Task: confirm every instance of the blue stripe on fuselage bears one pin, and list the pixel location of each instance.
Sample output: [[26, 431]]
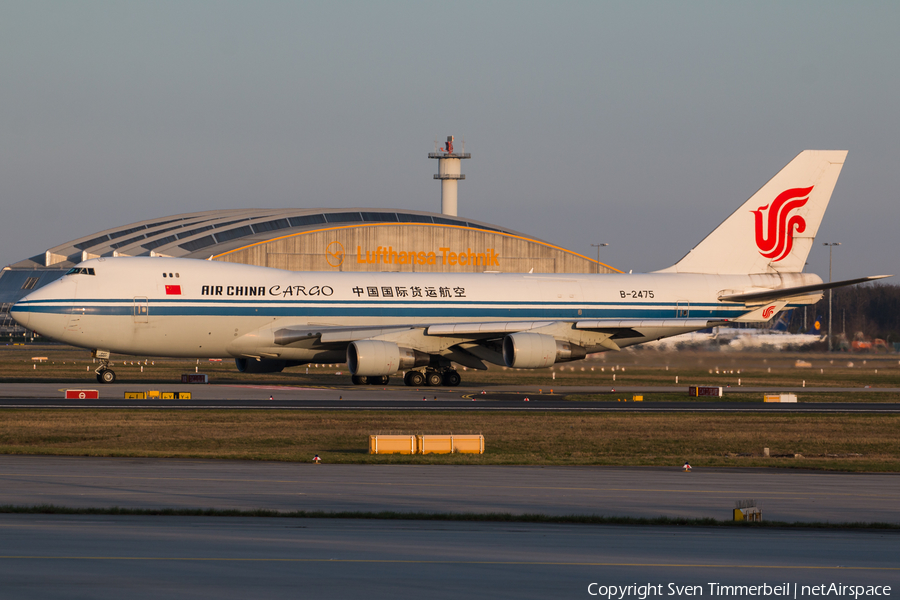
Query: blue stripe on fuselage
[[363, 308]]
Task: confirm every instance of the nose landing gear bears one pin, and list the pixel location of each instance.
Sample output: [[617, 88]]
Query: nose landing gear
[[104, 373]]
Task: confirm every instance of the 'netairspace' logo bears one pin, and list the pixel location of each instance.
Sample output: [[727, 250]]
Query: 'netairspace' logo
[[777, 240]]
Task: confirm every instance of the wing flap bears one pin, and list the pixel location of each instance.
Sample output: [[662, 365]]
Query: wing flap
[[469, 329], [606, 324]]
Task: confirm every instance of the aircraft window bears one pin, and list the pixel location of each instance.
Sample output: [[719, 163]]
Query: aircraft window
[[177, 275], [170, 274], [164, 275], [80, 271]]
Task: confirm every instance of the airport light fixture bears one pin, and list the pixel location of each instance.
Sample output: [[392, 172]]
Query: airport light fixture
[[831, 246], [598, 246]]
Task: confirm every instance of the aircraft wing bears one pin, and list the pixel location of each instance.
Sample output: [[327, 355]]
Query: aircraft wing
[[803, 290], [461, 342]]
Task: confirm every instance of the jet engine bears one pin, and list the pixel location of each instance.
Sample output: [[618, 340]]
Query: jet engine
[[525, 350], [251, 365], [376, 357]]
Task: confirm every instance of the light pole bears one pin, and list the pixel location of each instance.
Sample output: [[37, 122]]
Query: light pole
[[598, 246], [831, 246]]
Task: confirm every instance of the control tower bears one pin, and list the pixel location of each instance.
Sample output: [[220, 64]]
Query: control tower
[[449, 173]]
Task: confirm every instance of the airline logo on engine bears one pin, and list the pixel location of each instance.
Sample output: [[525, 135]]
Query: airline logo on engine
[[775, 228]]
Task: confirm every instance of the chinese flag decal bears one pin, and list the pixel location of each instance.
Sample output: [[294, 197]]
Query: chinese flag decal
[[173, 290]]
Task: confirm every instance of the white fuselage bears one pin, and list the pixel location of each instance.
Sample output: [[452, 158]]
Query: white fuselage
[[193, 308]]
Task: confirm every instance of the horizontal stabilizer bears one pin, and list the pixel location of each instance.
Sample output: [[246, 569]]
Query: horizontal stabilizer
[[802, 290]]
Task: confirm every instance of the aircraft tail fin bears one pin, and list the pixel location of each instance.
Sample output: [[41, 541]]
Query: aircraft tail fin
[[774, 230]]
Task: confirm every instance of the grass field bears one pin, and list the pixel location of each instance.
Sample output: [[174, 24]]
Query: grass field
[[850, 442], [839, 442]]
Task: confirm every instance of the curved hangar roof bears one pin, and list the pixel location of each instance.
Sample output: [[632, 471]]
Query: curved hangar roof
[[352, 239]]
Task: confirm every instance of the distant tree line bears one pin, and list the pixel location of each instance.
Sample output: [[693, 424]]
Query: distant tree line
[[872, 310]]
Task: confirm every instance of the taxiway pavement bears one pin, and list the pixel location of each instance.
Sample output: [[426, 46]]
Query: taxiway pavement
[[56, 556], [50, 395], [783, 495]]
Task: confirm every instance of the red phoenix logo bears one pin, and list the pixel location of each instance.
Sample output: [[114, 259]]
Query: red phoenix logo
[[768, 312], [775, 231]]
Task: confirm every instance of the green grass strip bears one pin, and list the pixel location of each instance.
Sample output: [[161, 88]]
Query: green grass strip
[[52, 509]]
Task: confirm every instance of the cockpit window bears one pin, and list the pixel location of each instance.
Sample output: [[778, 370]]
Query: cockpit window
[[80, 271]]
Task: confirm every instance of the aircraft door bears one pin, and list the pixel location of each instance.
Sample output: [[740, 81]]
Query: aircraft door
[[682, 309], [141, 309]]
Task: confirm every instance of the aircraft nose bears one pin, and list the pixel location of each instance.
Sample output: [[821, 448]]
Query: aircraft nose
[[21, 316]]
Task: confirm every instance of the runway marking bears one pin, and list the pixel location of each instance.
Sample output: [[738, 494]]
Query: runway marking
[[446, 562], [463, 408], [307, 483], [275, 387]]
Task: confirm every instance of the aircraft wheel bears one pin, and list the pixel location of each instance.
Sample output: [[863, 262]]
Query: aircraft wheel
[[433, 378], [451, 378], [378, 380], [357, 380], [106, 376], [414, 379]]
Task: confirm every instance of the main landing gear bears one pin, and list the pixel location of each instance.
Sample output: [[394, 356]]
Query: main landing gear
[[429, 377], [104, 373], [448, 377]]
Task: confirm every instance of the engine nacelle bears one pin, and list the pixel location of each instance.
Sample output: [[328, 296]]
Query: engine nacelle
[[525, 350], [376, 357], [251, 365]]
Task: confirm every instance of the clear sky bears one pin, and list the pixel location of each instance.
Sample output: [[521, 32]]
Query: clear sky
[[638, 124]]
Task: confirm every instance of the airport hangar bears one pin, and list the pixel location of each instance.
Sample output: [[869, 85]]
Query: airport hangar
[[349, 239]]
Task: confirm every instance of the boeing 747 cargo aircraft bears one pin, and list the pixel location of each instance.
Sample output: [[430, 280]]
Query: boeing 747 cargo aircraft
[[746, 270]]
